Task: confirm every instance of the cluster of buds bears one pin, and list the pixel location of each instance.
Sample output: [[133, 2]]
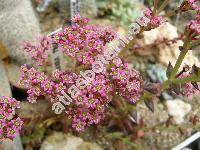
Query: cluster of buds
[[10, 123], [127, 82], [83, 42], [39, 51], [193, 28], [188, 89], [155, 21]]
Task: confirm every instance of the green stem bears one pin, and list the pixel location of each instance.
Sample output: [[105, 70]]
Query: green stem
[[166, 84], [155, 7], [178, 63], [180, 57]]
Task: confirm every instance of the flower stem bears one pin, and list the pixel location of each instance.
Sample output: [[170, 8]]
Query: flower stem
[[178, 63], [181, 57], [155, 7]]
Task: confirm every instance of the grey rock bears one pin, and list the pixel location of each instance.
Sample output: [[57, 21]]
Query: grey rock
[[13, 73], [18, 23], [6, 144], [43, 6], [157, 73], [5, 89], [158, 117], [178, 109], [11, 145], [89, 146], [17, 144], [37, 110]]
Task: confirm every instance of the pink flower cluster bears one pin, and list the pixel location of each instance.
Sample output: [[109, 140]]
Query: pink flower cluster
[[39, 51], [92, 100], [155, 21], [127, 82], [10, 123], [39, 84], [83, 41], [193, 27], [89, 106], [189, 89]]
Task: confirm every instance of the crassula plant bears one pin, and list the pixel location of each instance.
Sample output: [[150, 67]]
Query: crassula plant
[[10, 123], [116, 83]]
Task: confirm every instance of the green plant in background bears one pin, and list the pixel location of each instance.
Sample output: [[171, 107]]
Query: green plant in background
[[150, 2], [124, 11]]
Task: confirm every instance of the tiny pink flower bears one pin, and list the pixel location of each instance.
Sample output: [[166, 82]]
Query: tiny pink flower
[[10, 124]]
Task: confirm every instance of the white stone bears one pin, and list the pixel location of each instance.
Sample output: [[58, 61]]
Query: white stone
[[61, 141], [166, 30], [178, 109], [168, 53]]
